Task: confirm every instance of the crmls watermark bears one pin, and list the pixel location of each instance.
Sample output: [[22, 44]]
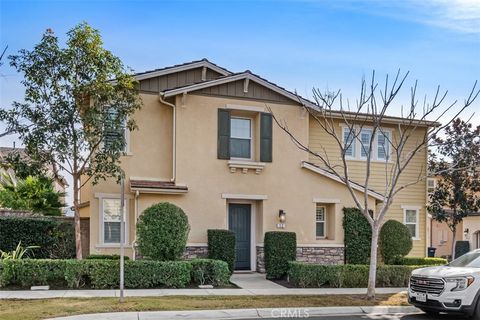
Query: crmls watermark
[[290, 313]]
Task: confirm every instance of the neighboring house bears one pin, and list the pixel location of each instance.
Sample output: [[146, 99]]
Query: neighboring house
[[207, 144], [441, 235], [59, 182]]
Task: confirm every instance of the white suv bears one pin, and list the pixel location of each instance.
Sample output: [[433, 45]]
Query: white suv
[[453, 288]]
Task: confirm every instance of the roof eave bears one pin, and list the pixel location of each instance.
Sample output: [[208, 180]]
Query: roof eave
[[189, 66], [236, 77]]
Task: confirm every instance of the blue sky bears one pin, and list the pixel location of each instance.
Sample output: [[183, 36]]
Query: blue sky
[[296, 44]]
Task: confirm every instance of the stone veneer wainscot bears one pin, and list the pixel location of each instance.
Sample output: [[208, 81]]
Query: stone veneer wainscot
[[313, 255]]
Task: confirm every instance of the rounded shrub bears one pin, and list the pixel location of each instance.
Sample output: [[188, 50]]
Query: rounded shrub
[[162, 232], [395, 241]]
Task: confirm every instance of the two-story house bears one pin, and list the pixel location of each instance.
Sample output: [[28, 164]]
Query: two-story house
[[207, 144]]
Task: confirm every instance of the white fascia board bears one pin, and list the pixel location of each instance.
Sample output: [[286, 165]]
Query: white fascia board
[[240, 76], [194, 65]]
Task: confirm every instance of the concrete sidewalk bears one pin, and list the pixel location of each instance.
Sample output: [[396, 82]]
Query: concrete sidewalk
[[27, 294], [253, 280], [242, 313]]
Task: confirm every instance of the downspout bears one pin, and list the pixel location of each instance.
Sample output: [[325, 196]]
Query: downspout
[[174, 137], [135, 209]]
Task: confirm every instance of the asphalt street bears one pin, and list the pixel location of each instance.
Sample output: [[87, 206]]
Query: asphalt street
[[398, 316]]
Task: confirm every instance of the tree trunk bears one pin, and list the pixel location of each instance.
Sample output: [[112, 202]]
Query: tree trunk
[[372, 274], [78, 233], [454, 235]]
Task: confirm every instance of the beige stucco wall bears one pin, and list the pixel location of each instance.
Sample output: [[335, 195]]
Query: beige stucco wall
[[442, 237], [473, 225], [414, 195], [286, 185]]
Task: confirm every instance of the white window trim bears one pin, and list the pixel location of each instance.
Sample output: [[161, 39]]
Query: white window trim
[[361, 147], [375, 142], [417, 223], [126, 150], [101, 238], [354, 144], [324, 222], [357, 144], [251, 137]]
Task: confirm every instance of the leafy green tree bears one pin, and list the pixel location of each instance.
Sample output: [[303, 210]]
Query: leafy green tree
[[76, 98], [457, 162], [35, 194], [23, 166]]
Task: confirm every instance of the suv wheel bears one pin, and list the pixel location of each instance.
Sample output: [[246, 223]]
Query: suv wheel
[[476, 313]]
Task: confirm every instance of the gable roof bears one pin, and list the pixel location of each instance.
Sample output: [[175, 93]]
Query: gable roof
[[246, 75], [312, 167], [226, 76], [181, 67]]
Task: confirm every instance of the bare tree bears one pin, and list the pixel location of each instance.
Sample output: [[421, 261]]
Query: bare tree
[[414, 135]]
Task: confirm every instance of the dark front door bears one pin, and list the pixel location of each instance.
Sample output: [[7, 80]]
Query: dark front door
[[239, 216]]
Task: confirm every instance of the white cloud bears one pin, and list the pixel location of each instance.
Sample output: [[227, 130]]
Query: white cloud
[[457, 15]]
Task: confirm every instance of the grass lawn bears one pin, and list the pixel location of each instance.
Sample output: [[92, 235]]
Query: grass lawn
[[47, 308]]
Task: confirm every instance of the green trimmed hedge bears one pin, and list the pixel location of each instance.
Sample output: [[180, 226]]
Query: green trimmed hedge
[[395, 241], [208, 271], [346, 276], [413, 261], [104, 274], [280, 248], [221, 246], [357, 236], [54, 236]]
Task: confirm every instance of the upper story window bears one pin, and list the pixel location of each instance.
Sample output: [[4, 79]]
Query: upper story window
[[383, 146], [365, 138], [349, 142], [115, 131], [431, 184], [244, 135], [241, 138], [358, 147]]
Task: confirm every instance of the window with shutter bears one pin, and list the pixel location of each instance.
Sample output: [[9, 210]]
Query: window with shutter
[[266, 137], [223, 139]]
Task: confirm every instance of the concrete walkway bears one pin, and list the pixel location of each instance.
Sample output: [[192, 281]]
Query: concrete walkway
[[27, 294], [253, 280], [242, 313]]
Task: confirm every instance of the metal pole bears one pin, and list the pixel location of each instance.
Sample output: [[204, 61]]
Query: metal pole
[[122, 237]]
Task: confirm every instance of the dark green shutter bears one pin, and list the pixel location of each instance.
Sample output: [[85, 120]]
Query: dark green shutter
[[266, 137], [223, 141]]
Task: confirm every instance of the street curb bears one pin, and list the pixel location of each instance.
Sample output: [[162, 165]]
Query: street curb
[[230, 314]]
